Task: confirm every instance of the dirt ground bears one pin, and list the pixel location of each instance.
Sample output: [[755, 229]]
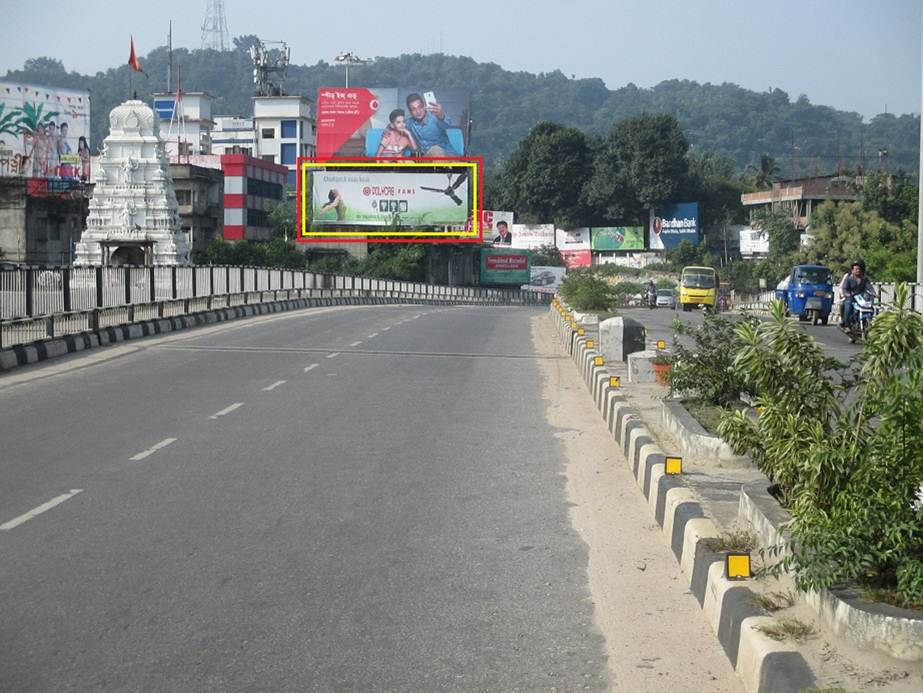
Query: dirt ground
[[655, 632]]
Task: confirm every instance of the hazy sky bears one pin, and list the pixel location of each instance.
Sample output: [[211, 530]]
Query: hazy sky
[[859, 55]]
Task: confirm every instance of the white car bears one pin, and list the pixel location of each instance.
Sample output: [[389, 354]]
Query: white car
[[666, 298]]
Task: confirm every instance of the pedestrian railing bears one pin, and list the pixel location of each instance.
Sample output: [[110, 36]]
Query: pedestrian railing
[[38, 303]]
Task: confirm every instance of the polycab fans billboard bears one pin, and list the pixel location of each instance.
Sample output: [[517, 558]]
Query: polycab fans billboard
[[391, 122]]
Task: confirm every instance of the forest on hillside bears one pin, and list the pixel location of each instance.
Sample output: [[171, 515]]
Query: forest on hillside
[[804, 138]]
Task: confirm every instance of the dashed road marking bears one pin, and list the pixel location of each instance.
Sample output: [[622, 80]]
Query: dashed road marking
[[154, 448], [357, 343], [333, 355], [372, 336], [15, 522], [311, 367], [385, 329], [270, 388], [227, 410]]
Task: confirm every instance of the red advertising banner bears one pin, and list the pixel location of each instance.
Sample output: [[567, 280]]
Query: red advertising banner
[[577, 258], [340, 113], [507, 262]]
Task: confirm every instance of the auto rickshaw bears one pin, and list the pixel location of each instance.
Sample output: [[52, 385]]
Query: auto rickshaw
[[807, 293]]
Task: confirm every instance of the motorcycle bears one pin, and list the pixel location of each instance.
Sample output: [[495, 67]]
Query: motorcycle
[[863, 313], [652, 300]]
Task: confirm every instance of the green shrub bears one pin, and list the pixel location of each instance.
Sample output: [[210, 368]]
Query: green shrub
[[585, 292], [848, 474], [703, 360]]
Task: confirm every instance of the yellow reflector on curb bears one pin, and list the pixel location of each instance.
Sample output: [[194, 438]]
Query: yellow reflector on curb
[[661, 344], [673, 465], [581, 332], [737, 566], [598, 361], [590, 344], [573, 326], [614, 381]]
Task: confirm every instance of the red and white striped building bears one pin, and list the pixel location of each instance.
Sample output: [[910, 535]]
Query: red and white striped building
[[251, 186]]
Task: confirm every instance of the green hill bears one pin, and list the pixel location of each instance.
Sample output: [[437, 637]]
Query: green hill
[[505, 105]]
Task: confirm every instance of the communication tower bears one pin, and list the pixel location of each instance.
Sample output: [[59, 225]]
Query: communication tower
[[269, 66], [215, 27]]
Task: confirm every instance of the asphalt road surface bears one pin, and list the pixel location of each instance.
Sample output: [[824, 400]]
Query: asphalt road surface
[[358, 498], [659, 324]]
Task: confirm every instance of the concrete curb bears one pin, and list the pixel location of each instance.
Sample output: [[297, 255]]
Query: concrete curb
[[764, 665], [27, 354]]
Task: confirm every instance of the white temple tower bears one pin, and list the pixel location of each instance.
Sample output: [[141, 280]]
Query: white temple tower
[[133, 217]]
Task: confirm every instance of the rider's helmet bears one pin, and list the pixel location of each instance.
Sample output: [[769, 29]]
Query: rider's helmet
[[860, 264]]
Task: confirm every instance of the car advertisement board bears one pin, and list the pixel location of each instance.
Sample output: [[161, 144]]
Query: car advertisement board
[[379, 199], [672, 224], [617, 238], [545, 279], [504, 266], [390, 123]]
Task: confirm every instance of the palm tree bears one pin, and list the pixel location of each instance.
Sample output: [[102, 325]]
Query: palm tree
[[766, 174], [7, 122]]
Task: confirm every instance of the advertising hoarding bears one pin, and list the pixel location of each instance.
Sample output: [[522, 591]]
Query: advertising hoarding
[[407, 198], [507, 266], [532, 235], [497, 226], [390, 123], [545, 279], [577, 258], [44, 131], [617, 238], [753, 242], [574, 239], [674, 223]]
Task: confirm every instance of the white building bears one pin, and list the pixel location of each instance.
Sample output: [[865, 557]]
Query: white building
[[284, 130], [232, 135], [191, 133]]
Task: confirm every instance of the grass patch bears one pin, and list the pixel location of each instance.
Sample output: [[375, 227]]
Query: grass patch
[[774, 601], [884, 595], [738, 541], [787, 629], [707, 414]]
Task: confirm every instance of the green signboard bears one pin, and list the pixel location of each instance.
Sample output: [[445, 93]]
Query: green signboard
[[617, 238], [505, 266]]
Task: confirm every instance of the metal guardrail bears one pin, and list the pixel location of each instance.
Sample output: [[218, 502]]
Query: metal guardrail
[[38, 303]]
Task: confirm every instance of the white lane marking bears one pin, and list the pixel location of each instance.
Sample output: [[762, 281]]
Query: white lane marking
[[385, 329], [372, 336], [311, 367], [356, 343], [333, 355], [154, 448], [270, 388], [15, 522], [227, 410]]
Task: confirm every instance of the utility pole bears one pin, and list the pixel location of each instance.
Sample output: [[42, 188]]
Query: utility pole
[[920, 176], [169, 55], [348, 59]]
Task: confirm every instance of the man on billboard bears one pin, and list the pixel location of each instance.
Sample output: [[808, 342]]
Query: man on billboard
[[504, 236], [429, 126]]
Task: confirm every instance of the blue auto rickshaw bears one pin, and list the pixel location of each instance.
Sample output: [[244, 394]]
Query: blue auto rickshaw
[[808, 293]]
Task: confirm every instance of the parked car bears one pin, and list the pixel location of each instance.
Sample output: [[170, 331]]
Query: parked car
[[666, 298]]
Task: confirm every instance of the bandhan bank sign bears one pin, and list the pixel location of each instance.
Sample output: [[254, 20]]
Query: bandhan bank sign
[[674, 223]]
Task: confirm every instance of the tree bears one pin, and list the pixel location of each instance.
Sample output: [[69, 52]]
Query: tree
[[641, 164], [766, 173], [547, 256], [243, 43], [545, 176]]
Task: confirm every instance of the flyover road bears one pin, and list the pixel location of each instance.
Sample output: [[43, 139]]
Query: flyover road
[[353, 498], [659, 324]]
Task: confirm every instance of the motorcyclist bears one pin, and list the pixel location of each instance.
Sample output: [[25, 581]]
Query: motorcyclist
[[652, 294], [856, 283]]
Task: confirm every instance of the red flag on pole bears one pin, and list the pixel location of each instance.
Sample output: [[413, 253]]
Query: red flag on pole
[[133, 59]]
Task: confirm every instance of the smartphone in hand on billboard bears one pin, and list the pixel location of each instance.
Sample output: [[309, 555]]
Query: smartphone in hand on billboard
[[429, 97]]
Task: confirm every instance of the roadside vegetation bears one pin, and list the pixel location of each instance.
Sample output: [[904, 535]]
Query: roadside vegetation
[[840, 442]]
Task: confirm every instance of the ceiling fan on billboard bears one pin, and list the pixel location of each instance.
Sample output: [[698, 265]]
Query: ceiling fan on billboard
[[452, 187]]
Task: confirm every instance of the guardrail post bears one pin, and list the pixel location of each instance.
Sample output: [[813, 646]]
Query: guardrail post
[[30, 297], [99, 289], [152, 278], [194, 283], [173, 281], [127, 285], [66, 286]]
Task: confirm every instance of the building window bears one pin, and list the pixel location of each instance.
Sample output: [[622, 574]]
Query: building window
[[290, 129], [183, 197], [268, 133], [269, 157], [292, 179], [289, 154]]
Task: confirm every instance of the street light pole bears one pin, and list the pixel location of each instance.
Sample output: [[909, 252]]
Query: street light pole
[[348, 59]]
